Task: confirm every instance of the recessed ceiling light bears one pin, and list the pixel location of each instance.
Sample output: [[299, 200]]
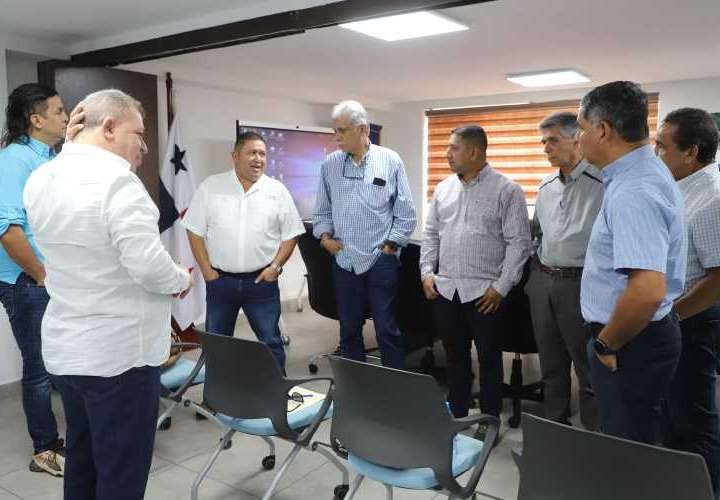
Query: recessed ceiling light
[[548, 78], [405, 26]]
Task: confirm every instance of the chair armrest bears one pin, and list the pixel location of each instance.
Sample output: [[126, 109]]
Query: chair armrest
[[460, 424], [185, 344], [292, 382], [306, 435], [189, 380]]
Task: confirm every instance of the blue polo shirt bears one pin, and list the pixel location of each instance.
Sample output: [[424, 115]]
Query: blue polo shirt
[[17, 162], [641, 225]]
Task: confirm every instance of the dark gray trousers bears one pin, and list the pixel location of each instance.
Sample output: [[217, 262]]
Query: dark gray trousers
[[561, 337]]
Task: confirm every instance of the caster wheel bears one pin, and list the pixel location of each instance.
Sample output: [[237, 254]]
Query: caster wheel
[[340, 491], [313, 368], [514, 422], [268, 462], [286, 341], [165, 424], [228, 445]]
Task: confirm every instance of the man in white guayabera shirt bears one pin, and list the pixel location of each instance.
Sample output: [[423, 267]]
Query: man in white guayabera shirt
[[111, 282]]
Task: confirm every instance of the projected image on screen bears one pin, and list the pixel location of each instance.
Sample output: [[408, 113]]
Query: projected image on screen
[[293, 158]]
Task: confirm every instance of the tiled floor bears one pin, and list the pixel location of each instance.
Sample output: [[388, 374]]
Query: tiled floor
[[181, 451]]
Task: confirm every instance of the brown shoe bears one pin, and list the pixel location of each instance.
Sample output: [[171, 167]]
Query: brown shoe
[[50, 461]]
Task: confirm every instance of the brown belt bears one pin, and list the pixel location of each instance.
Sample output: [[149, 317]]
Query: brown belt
[[562, 272]]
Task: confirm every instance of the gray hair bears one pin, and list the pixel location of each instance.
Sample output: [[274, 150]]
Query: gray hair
[[565, 121], [106, 103], [353, 110]]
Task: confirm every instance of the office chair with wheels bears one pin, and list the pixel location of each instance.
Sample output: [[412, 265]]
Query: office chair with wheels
[[559, 462], [395, 427], [248, 393]]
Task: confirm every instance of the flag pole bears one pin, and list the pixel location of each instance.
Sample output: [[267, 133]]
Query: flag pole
[[169, 97]]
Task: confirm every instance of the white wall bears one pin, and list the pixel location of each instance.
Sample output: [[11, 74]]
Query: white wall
[[404, 124]]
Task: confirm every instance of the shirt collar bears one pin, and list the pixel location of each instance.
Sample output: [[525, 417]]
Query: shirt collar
[[625, 162], [707, 172], [480, 176], [238, 185], [89, 149], [40, 147], [578, 170], [349, 156]]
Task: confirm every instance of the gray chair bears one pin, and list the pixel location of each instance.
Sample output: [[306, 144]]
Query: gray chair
[[248, 393], [395, 427], [559, 462]]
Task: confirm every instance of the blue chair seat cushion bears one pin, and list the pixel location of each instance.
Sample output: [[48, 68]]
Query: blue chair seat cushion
[[173, 377], [297, 419], [466, 451]]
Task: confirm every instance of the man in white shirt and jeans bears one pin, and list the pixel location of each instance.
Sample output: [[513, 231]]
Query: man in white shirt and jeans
[[106, 329], [243, 227]]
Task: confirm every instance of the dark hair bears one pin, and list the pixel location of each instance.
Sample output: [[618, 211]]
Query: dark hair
[[623, 105], [565, 121], [244, 137], [695, 127], [24, 101], [473, 134]]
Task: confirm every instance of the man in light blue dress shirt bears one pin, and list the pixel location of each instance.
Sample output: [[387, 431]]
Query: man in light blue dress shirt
[[363, 214], [35, 121], [634, 266], [687, 142]]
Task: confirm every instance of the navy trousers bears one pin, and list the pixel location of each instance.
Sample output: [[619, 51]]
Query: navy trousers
[[110, 433], [630, 400], [692, 412], [377, 288]]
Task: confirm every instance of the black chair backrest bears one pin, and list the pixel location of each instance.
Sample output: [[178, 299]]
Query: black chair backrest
[[392, 417], [415, 316], [559, 462], [318, 263], [519, 335], [243, 380]]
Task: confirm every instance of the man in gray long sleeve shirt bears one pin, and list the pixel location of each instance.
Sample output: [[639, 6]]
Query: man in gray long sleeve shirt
[[566, 207], [475, 243]]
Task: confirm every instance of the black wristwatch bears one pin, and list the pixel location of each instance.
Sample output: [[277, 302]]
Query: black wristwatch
[[393, 246], [602, 348]]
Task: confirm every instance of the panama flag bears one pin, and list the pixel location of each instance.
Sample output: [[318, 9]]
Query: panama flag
[[177, 186]]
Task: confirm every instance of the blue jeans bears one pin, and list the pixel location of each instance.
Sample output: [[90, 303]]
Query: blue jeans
[[630, 399], [691, 410], [377, 288], [110, 433], [261, 303], [25, 304]]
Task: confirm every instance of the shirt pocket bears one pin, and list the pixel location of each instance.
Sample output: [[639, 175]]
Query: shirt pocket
[[264, 213], [483, 217], [374, 197]]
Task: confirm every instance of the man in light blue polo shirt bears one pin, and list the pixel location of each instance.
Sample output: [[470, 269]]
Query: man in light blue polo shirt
[[634, 266], [35, 121]]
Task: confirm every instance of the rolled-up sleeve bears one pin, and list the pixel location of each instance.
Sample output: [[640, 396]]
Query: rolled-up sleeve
[[322, 215], [291, 225], [10, 216], [132, 224]]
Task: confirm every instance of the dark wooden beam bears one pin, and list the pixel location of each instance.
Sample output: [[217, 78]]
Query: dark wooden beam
[[259, 28]]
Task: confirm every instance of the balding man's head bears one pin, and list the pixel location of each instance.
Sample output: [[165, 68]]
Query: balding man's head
[[114, 122]]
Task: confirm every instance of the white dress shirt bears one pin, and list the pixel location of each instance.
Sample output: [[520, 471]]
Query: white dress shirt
[[109, 277], [477, 235], [242, 230]]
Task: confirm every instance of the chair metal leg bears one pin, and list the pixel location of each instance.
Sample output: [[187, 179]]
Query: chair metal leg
[[166, 413], [388, 492], [354, 487], [270, 443], [334, 460], [201, 475], [291, 456], [283, 330], [298, 299]]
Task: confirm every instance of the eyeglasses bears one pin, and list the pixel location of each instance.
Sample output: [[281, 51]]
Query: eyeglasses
[[295, 401], [355, 172]]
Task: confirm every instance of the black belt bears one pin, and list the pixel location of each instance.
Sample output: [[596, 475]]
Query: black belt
[[596, 328], [562, 272], [250, 275]]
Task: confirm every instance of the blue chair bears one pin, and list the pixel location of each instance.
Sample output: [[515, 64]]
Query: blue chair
[[394, 427], [248, 393], [175, 380]]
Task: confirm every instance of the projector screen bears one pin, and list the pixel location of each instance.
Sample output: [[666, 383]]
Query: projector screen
[[293, 157]]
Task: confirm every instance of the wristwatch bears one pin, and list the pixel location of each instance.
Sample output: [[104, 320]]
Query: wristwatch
[[276, 268], [602, 348], [389, 243]]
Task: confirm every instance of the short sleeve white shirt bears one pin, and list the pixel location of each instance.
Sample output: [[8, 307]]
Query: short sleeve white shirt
[[242, 230]]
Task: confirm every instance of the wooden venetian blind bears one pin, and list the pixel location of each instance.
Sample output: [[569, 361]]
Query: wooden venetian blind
[[514, 147]]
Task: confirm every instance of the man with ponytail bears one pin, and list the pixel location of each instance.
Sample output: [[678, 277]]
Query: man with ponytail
[[35, 122]]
